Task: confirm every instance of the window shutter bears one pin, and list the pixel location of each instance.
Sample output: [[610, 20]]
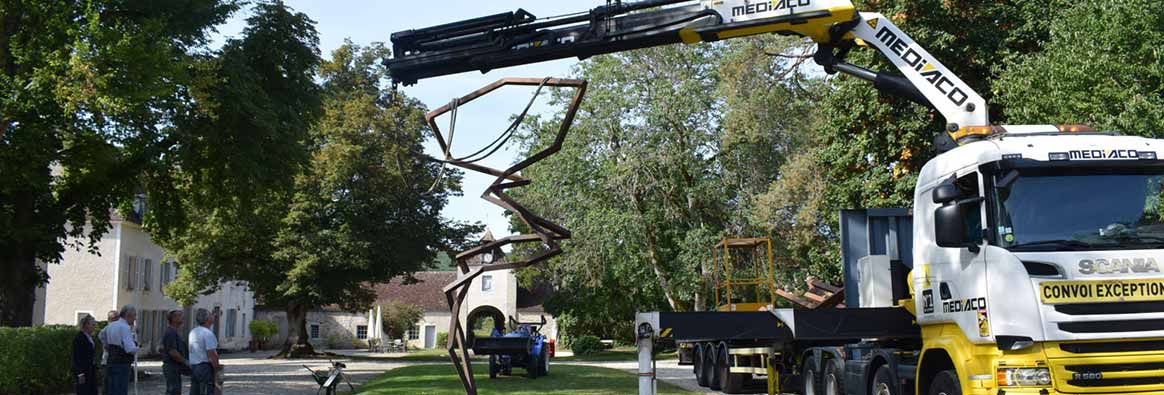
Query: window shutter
[[130, 273], [146, 274]]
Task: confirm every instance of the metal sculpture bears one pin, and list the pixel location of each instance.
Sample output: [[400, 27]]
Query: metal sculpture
[[543, 231]]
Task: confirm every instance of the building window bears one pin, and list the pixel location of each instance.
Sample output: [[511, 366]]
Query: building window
[[361, 331], [130, 272], [413, 333], [313, 330], [146, 272], [486, 283], [231, 322]]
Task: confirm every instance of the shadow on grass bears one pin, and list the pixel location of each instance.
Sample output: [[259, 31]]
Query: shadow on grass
[[563, 379]]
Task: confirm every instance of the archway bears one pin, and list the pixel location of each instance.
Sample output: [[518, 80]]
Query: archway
[[481, 322]]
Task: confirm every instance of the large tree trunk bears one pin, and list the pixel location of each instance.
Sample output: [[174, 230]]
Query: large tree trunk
[[17, 289], [653, 255], [297, 344]]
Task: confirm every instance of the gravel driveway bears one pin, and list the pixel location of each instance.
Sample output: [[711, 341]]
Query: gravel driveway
[[248, 373]]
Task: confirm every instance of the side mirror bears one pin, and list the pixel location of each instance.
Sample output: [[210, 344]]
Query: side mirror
[[950, 223], [946, 192]]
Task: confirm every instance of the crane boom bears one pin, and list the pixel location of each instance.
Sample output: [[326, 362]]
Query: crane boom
[[517, 38]]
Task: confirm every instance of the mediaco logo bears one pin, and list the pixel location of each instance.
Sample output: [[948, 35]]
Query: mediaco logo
[[767, 6], [1118, 265], [914, 59]]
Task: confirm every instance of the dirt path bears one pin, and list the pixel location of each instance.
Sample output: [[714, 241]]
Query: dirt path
[[248, 373]]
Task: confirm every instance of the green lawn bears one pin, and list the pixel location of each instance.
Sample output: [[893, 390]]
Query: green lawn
[[563, 379], [614, 354]]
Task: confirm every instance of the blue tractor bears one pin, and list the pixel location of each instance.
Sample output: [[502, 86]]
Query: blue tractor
[[524, 347]]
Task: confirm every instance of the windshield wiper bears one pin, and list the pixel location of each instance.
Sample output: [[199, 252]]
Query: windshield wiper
[[1052, 245]]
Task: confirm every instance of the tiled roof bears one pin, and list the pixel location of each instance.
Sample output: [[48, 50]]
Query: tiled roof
[[426, 293]]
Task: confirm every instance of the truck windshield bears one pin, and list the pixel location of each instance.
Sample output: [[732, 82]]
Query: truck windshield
[[1040, 211]]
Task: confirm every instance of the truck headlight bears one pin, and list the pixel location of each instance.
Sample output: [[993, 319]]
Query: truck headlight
[[1023, 377]]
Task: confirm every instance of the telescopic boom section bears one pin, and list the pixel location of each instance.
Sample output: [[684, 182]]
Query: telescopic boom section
[[517, 38]]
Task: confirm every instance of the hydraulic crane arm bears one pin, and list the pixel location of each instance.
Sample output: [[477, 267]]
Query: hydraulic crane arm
[[516, 38]]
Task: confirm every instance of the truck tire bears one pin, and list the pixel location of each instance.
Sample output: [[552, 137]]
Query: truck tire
[[946, 383], [809, 376], [883, 382], [834, 378], [731, 383], [711, 368], [697, 360]]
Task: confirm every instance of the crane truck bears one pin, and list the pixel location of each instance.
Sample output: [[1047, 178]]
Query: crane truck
[[1033, 255]]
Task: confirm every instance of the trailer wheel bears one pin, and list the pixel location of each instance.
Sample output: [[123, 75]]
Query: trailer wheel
[[834, 378], [732, 383], [946, 383], [809, 376], [697, 361], [711, 367], [883, 382], [531, 366], [492, 366]]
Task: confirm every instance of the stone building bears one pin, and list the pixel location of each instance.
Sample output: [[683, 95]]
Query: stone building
[[492, 295], [128, 268]]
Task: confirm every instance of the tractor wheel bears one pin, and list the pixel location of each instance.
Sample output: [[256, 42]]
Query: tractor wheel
[[493, 366], [697, 360], [883, 382], [545, 363], [532, 366]]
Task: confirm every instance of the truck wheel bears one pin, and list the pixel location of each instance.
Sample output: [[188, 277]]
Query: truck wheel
[[733, 383], [492, 366], [883, 382], [697, 361], [809, 377], [946, 383], [711, 368], [834, 378]]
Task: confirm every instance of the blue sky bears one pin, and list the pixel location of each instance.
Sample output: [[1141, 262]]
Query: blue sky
[[366, 21]]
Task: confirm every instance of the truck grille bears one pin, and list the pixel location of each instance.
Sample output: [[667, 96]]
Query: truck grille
[[1110, 308], [1116, 375], [1112, 326], [1132, 346]]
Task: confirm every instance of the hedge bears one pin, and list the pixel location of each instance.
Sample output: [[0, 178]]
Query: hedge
[[36, 360], [585, 345]]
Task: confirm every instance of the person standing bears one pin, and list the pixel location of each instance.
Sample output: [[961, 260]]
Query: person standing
[[110, 318], [84, 350], [121, 348], [203, 354], [174, 354]]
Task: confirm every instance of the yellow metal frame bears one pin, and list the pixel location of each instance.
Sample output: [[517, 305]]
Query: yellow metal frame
[[722, 256]]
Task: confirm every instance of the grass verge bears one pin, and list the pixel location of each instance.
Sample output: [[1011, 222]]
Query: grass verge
[[563, 379]]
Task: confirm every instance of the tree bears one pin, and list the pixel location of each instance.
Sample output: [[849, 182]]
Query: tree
[[89, 90], [665, 152], [1114, 80], [362, 209], [398, 318]]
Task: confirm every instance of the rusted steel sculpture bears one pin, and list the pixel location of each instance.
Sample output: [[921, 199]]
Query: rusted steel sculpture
[[544, 231]]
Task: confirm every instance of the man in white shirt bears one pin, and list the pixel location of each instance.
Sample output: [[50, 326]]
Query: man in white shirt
[[120, 347], [203, 348], [110, 318]]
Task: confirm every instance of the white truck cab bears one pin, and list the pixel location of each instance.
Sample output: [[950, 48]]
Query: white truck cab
[[1042, 250]]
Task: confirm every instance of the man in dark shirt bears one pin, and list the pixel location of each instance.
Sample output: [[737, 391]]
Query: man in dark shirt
[[174, 354]]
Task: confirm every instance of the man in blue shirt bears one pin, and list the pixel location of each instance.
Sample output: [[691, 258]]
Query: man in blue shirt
[[121, 348], [174, 353]]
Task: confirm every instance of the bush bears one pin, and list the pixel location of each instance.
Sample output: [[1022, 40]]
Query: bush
[[585, 345], [262, 331], [37, 359], [442, 340]]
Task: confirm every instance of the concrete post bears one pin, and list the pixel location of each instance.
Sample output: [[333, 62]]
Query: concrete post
[[646, 344]]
